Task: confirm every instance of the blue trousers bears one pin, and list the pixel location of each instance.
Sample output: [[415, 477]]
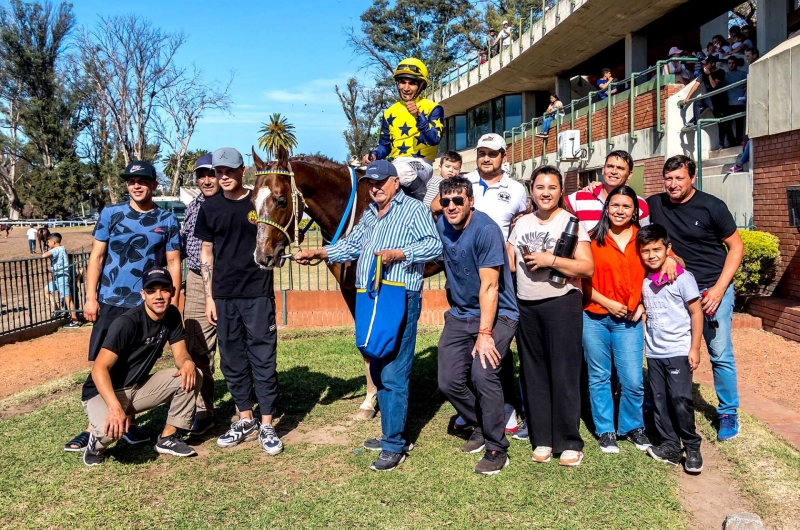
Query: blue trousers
[[391, 375], [607, 341], [720, 349]]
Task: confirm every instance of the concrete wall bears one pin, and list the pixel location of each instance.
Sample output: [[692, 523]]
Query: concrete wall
[[773, 91]]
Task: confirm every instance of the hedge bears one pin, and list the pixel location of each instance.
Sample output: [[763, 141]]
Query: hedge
[[761, 254]]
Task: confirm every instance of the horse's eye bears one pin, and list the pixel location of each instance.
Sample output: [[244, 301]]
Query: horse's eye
[[282, 202]]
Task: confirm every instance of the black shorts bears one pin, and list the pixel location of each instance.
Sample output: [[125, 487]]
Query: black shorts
[[108, 314]]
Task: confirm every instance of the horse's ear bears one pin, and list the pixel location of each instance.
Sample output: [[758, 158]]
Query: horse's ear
[[282, 155], [257, 160]]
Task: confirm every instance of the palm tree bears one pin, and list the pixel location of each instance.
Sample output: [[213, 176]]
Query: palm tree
[[277, 133]]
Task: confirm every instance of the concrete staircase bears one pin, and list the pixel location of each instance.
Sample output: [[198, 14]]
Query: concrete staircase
[[735, 189]]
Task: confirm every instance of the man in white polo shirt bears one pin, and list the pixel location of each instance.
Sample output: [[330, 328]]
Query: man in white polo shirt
[[501, 198]]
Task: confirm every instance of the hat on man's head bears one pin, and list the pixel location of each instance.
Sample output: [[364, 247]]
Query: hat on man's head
[[505, 22], [495, 142], [379, 170], [675, 51], [156, 276], [227, 157], [204, 162], [139, 168]]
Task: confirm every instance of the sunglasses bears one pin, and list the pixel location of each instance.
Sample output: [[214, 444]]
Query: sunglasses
[[458, 201], [408, 67]]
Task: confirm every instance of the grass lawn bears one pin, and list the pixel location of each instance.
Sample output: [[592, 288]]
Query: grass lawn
[[326, 483]]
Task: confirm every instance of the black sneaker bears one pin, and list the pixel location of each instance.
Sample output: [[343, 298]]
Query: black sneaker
[[492, 463], [522, 432], [693, 462], [476, 443], [92, 456], [200, 426], [638, 438], [374, 444], [240, 431], [608, 443], [136, 435], [174, 445], [269, 440], [387, 461], [664, 454]]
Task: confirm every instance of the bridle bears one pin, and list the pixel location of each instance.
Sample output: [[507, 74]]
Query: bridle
[[297, 199]]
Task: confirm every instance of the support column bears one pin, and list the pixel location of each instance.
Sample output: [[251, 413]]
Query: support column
[[772, 26], [718, 26], [534, 103], [564, 89], [635, 53]]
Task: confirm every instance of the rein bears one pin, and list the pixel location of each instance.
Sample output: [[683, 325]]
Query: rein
[[297, 197]]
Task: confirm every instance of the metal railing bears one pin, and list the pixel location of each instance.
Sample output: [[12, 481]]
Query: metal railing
[[24, 300], [633, 85]]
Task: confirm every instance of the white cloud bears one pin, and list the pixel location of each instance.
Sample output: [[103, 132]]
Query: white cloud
[[317, 92]]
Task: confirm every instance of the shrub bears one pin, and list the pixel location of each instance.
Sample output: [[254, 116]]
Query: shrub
[[761, 254], [304, 222]]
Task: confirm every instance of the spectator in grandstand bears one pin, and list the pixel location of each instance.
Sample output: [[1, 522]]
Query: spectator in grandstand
[[492, 42], [712, 79], [712, 250], [58, 291], [751, 55], [480, 324], [698, 65], [401, 231], [121, 384], [738, 41], [449, 166], [551, 322], [612, 322], [588, 204], [201, 336], [505, 35], [721, 46], [129, 238], [736, 103], [678, 68], [553, 110], [604, 84], [749, 33]]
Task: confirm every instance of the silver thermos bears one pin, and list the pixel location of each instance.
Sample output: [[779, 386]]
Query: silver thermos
[[565, 248]]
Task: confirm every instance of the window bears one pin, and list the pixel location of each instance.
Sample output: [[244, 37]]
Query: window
[[591, 175], [513, 111], [461, 132], [498, 125], [479, 122]]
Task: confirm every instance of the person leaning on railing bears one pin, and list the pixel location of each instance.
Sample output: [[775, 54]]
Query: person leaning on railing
[[712, 78], [605, 84], [555, 108]]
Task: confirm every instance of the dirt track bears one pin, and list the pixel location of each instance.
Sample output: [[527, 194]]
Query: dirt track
[[77, 239]]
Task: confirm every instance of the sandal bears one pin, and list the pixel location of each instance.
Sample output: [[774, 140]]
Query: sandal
[[77, 444]]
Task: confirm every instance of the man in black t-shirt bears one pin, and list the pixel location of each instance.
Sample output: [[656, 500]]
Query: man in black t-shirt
[[121, 385], [703, 233], [240, 302], [713, 79]]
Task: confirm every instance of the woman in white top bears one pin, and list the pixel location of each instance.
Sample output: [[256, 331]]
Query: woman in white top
[[550, 320], [677, 68], [555, 108]]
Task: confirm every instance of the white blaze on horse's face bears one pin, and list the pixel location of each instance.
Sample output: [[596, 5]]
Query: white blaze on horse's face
[[264, 193]]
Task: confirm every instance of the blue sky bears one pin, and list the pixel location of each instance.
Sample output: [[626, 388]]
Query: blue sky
[[287, 56]]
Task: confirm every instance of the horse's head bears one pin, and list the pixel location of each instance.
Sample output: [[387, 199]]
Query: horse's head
[[279, 208]]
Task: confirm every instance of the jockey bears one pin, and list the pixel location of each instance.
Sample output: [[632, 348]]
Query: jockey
[[410, 130]]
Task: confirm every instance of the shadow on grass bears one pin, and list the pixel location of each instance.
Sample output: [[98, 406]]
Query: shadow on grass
[[703, 407], [424, 399]]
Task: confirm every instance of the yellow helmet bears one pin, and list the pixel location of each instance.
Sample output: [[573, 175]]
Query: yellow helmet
[[412, 69]]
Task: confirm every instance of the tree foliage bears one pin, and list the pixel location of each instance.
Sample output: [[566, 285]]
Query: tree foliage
[[362, 107], [276, 134]]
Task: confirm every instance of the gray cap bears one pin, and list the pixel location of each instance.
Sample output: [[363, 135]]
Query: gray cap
[[227, 157]]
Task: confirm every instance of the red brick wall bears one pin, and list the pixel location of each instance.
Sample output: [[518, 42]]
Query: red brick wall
[[571, 182], [653, 180], [644, 118], [776, 161]]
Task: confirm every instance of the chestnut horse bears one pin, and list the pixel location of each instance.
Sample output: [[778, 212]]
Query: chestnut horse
[[323, 192], [43, 237]]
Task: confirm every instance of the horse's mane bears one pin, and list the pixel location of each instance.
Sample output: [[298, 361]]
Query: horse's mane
[[320, 160]]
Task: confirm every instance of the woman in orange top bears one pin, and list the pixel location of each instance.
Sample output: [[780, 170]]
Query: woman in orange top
[[612, 322]]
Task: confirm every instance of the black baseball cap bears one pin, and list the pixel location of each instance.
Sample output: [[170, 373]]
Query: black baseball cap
[[156, 276], [139, 168]]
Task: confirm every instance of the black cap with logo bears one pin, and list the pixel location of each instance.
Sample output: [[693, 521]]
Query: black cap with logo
[[156, 276], [139, 168]]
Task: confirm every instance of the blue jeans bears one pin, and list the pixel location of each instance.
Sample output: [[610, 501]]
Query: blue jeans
[[608, 339], [720, 349], [546, 121], [391, 375]]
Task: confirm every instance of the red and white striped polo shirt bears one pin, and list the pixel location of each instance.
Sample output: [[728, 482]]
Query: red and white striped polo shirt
[[588, 208]]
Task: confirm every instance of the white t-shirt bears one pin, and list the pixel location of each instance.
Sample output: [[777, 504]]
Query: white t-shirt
[[538, 236], [505, 36], [31, 234], [502, 201]]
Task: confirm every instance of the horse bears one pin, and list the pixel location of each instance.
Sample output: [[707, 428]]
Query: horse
[[43, 236], [321, 188], [6, 228]]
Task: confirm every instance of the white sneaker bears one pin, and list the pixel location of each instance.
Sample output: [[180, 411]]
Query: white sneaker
[[542, 454], [571, 458], [511, 419]]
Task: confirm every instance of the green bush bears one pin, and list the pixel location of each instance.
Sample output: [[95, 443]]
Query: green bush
[[304, 222], [761, 254]]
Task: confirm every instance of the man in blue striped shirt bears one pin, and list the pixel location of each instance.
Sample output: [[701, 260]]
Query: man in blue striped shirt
[[400, 230]]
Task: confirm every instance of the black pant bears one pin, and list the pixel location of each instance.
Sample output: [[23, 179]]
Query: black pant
[[248, 337], [671, 385], [456, 361], [736, 136], [549, 339], [719, 107], [108, 314]]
